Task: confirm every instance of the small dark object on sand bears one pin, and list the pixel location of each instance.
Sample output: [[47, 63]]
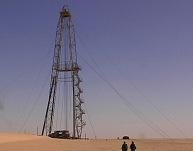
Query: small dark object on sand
[[125, 137]]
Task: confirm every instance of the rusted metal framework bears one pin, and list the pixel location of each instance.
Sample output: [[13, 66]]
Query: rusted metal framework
[[65, 65]]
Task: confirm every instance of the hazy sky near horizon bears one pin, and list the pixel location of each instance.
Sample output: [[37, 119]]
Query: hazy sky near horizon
[[143, 47]]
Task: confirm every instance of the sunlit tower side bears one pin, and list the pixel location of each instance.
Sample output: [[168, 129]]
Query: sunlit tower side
[[65, 65]]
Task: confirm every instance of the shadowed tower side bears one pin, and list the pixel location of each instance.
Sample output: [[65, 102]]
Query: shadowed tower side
[[65, 73]]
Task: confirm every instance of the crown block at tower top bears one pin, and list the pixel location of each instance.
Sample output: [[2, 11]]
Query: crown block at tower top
[[65, 13]]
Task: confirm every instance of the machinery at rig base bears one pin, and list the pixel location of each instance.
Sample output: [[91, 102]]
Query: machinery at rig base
[[63, 134]]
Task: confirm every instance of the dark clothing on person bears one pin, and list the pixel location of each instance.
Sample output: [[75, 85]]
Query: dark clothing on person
[[124, 147], [132, 146]]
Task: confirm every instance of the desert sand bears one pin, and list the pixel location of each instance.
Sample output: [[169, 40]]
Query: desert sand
[[19, 142]]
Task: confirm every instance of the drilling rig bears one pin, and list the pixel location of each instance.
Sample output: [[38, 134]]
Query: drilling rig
[[65, 73]]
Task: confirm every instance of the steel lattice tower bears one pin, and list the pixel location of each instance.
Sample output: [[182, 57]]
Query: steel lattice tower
[[65, 65]]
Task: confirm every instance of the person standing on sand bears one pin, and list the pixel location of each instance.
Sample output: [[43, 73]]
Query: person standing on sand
[[132, 146], [124, 147]]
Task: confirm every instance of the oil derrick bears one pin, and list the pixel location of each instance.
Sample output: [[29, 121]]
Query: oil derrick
[[65, 71]]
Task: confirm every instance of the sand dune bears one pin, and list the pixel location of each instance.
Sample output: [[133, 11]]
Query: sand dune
[[9, 138], [15, 142]]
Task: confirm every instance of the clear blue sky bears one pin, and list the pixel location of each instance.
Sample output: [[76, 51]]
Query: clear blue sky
[[143, 47]]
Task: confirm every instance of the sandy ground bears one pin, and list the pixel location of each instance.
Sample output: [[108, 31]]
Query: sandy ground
[[15, 142]]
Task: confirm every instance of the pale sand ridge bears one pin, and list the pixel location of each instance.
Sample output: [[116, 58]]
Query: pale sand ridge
[[15, 142]]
